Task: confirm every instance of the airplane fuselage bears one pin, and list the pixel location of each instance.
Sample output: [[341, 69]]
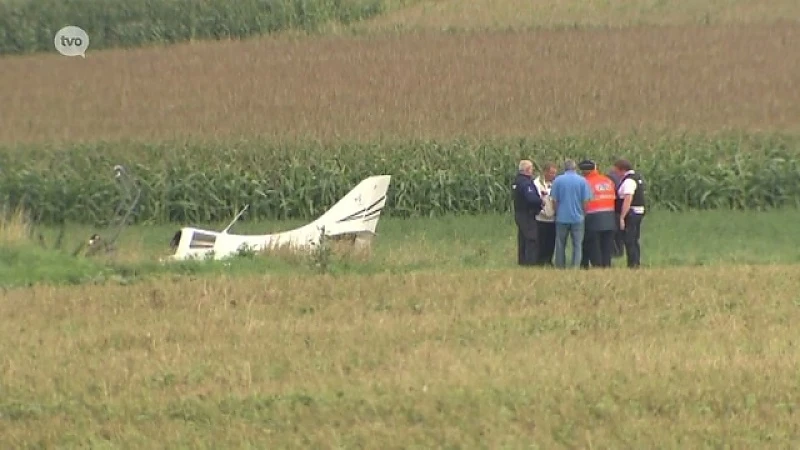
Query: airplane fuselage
[[355, 214]]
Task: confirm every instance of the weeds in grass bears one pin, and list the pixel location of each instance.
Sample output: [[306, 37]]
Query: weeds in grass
[[15, 227], [320, 256]]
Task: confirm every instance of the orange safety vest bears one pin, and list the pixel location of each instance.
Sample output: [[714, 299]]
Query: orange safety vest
[[603, 193]]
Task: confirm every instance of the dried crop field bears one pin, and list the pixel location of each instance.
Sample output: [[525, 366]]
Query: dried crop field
[[414, 85], [683, 358]]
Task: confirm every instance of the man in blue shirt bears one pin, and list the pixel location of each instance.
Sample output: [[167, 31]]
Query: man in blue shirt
[[570, 193]]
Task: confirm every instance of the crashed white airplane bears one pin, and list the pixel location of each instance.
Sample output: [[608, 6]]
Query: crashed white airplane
[[357, 213]]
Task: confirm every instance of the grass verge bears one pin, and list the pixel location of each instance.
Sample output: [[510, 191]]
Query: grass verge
[[443, 245]]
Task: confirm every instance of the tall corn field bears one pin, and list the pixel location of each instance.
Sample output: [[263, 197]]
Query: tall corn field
[[29, 25], [209, 182]]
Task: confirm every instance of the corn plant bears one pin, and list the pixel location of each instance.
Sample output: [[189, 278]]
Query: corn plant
[[210, 182]]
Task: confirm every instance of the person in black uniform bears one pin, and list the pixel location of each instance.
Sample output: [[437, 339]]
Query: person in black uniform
[[630, 206], [527, 204]]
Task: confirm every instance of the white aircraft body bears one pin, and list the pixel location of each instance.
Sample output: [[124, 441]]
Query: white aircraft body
[[357, 213]]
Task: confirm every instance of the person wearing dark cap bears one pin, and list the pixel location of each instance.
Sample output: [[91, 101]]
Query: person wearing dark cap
[[598, 242], [630, 207]]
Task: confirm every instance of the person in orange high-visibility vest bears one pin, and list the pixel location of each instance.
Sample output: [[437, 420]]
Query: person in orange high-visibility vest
[[598, 242]]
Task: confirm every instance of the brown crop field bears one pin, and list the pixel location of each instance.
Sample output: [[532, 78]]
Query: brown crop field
[[676, 358], [414, 85]]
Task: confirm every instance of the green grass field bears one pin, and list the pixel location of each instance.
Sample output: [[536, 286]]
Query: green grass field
[[447, 244]]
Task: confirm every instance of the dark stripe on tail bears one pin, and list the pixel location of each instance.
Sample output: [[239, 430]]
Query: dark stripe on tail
[[366, 212]]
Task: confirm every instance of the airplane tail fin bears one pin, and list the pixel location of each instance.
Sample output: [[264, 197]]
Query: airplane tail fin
[[359, 210]]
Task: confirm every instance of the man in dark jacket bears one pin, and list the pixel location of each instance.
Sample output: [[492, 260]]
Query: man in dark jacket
[[527, 204]]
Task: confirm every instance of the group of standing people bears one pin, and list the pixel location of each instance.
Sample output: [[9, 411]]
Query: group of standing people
[[601, 214]]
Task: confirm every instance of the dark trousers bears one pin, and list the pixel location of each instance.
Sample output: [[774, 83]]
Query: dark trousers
[[547, 242], [527, 241], [598, 248], [619, 240], [633, 229]]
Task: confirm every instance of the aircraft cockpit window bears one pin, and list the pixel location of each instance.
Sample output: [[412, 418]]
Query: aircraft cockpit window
[[202, 240]]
